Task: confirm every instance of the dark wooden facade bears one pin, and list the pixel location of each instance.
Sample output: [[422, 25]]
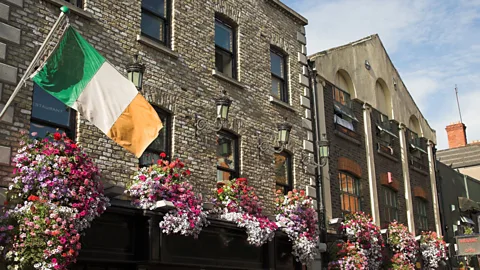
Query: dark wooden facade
[[125, 238]]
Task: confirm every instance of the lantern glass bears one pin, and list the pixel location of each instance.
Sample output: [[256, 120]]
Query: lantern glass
[[283, 136], [136, 78], [324, 151], [222, 111]]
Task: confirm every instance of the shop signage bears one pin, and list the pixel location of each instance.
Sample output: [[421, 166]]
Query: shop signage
[[468, 245]]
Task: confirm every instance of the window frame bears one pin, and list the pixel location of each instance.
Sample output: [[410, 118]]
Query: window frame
[[234, 173], [166, 22], [358, 196], [284, 95], [233, 54], [70, 130], [76, 3], [421, 204], [167, 125], [289, 163], [388, 209]]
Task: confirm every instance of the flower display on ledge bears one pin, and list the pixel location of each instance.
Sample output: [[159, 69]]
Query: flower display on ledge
[[366, 236], [55, 194], [168, 180], [296, 216], [351, 257], [237, 202], [433, 249], [403, 245]]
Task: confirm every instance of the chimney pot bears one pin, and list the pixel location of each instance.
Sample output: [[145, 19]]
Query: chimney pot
[[457, 137]]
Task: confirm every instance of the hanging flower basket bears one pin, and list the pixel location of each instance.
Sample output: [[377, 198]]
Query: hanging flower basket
[[403, 245], [237, 202], [433, 249], [164, 183], [351, 257], [296, 216], [55, 194], [367, 238]]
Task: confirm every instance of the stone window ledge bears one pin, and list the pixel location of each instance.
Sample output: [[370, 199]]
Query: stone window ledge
[[282, 104], [76, 10], [346, 137], [387, 156], [227, 79], [156, 45]]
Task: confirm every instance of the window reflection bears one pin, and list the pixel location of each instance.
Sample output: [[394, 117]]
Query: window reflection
[[227, 156], [283, 174]]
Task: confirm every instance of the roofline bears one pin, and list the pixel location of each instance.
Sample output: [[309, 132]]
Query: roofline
[[292, 12], [363, 40]]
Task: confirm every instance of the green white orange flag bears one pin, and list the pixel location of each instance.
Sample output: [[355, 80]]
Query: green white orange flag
[[76, 74]]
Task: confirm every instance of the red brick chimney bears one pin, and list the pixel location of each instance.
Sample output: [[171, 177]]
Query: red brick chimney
[[457, 137]]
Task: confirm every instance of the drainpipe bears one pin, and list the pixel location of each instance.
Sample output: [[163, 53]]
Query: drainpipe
[[312, 73]]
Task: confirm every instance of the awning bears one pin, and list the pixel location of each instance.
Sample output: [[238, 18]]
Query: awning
[[466, 204], [467, 220], [386, 131], [418, 148], [345, 111]]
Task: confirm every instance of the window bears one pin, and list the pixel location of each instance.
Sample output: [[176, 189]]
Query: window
[[343, 113], [225, 61], [283, 172], [278, 68], [391, 204], [50, 115], [349, 192], [155, 20], [227, 156], [421, 214], [161, 144], [77, 3]]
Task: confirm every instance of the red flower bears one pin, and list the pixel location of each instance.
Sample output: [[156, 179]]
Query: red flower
[[163, 155], [220, 190], [57, 136], [73, 145], [188, 172], [242, 180], [32, 198], [176, 175], [5, 203]]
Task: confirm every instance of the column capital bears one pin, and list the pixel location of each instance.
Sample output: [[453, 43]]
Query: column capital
[[430, 143], [367, 107], [402, 126]]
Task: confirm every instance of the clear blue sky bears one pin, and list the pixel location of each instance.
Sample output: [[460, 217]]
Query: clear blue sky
[[434, 44]]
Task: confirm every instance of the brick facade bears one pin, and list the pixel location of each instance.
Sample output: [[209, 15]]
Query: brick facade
[[179, 80], [347, 152]]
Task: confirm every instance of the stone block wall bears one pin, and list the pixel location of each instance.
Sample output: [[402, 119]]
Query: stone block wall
[[178, 79]]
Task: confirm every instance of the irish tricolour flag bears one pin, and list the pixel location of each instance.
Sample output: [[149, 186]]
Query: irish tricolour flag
[[76, 74]]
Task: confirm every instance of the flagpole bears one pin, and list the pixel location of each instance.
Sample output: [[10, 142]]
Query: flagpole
[[64, 11]]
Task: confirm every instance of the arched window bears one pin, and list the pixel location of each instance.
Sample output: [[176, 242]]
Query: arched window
[[283, 172], [349, 192], [161, 144], [414, 125], [384, 100], [420, 207], [227, 156], [344, 82], [390, 207]]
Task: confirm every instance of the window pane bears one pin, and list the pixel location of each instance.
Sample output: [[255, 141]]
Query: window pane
[[157, 6], [350, 185], [223, 36], [345, 202], [223, 175], [149, 158], [226, 152], [353, 204], [223, 62], [152, 26], [277, 64], [277, 88], [42, 130], [281, 169], [48, 108], [343, 182]]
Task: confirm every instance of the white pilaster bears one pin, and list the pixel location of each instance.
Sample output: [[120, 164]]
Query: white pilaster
[[406, 178], [372, 179], [433, 184]]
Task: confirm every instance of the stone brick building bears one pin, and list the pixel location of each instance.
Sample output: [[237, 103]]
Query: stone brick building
[[381, 147], [253, 50]]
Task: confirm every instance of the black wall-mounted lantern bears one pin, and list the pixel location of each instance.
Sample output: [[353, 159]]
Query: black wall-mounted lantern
[[135, 72]]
